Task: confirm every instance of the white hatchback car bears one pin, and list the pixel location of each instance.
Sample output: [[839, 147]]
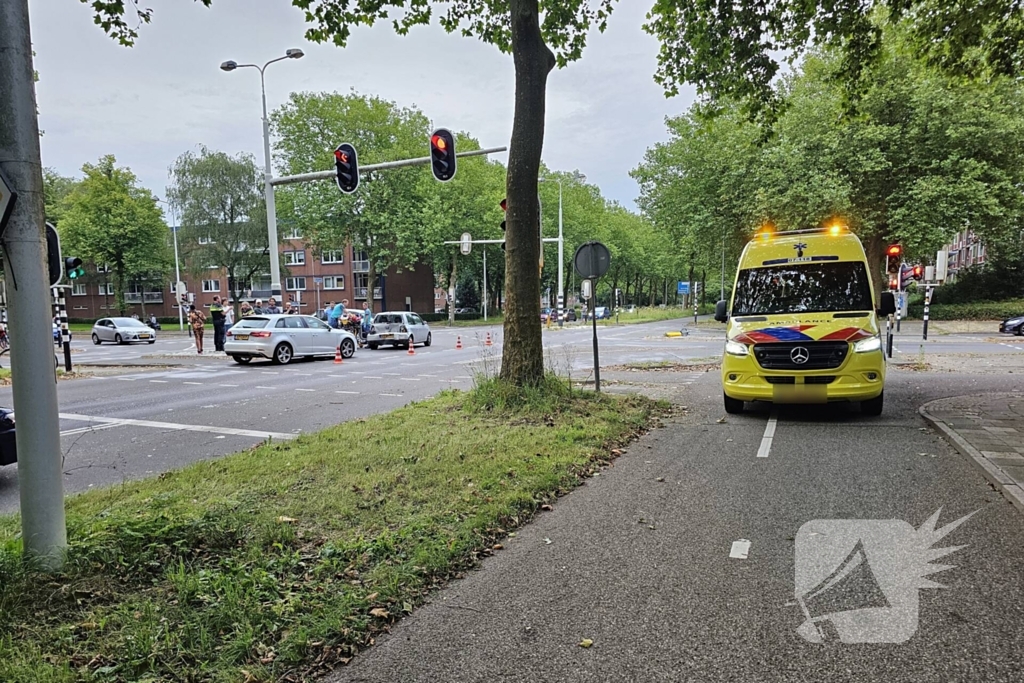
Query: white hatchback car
[[284, 337], [398, 328]]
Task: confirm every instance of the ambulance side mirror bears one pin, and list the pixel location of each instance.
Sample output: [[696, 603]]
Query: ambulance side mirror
[[720, 313], [888, 305]]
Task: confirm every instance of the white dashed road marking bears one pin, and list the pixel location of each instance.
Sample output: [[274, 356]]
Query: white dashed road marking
[[740, 549], [769, 434]]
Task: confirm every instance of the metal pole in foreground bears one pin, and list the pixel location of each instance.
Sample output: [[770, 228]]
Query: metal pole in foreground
[[268, 191], [927, 304], [40, 479], [593, 319], [484, 250]]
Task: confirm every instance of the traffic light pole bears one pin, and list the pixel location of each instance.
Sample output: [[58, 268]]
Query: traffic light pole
[[40, 476], [62, 316], [401, 163]]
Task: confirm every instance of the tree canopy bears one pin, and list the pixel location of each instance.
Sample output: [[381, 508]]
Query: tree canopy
[[223, 216], [928, 155], [109, 220]]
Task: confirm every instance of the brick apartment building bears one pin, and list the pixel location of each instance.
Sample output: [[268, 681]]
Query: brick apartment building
[[965, 250], [308, 279]]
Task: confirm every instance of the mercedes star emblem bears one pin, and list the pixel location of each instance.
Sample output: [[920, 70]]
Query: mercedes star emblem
[[799, 355]]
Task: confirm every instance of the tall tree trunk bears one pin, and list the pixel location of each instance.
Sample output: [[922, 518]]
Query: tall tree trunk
[[122, 308], [654, 289], [875, 249], [522, 356]]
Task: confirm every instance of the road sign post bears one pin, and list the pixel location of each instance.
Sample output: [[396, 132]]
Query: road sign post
[[591, 261]]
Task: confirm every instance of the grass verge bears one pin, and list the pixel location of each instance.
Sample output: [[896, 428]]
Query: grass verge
[[282, 561], [648, 315]]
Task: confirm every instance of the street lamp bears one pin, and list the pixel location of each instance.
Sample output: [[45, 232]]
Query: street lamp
[[177, 267], [560, 247], [268, 189]]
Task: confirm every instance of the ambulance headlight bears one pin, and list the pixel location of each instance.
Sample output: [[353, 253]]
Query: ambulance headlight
[[734, 348], [870, 344]]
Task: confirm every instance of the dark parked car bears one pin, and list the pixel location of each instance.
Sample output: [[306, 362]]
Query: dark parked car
[[1013, 326], [8, 445]]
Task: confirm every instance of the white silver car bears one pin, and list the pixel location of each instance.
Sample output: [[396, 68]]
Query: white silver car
[[122, 331], [398, 328], [282, 338]]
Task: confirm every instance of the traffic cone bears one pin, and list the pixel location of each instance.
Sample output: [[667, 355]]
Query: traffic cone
[[411, 352], [458, 342], [488, 342], [337, 356]]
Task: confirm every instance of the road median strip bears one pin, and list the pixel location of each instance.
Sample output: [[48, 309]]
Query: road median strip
[[279, 562]]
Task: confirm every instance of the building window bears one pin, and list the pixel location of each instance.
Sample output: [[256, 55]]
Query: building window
[[295, 283], [295, 258], [81, 308], [78, 289], [206, 240], [106, 289], [211, 285], [333, 256], [334, 282], [293, 234], [105, 268]]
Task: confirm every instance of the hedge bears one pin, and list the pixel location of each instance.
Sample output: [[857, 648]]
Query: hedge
[[443, 317], [985, 310]]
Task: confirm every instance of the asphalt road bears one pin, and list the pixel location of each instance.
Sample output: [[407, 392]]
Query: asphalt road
[[645, 560], [147, 420]]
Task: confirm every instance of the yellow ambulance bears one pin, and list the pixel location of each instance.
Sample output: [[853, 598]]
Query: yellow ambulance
[[802, 324]]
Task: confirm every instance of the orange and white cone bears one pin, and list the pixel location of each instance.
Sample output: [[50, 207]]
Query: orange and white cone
[[337, 355], [411, 352], [458, 342], [488, 342]]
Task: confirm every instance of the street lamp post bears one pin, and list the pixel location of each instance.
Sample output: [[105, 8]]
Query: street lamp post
[[268, 189], [561, 247], [177, 267]]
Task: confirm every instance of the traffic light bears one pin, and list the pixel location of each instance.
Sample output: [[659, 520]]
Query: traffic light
[[893, 255], [918, 272], [504, 208], [347, 166], [893, 282], [53, 259], [442, 154], [73, 267]]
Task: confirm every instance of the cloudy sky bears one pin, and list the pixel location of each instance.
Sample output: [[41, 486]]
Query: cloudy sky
[[148, 104]]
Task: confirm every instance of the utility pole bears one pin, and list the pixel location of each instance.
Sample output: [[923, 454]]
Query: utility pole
[[40, 474]]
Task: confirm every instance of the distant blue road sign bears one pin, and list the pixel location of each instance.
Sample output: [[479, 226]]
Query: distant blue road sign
[[683, 288]]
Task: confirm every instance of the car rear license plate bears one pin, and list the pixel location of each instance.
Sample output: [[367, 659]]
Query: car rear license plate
[[387, 336], [242, 337]]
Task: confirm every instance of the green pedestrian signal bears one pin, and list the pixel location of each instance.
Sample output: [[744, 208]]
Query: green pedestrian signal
[[73, 267]]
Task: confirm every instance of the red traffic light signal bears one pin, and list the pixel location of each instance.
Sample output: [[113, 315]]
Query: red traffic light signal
[[442, 154], [892, 258], [918, 272], [347, 166]]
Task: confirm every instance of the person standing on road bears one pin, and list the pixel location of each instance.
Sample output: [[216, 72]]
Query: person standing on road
[[272, 307], [197, 321], [229, 317], [217, 313], [245, 309], [257, 309], [367, 320], [336, 314]]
